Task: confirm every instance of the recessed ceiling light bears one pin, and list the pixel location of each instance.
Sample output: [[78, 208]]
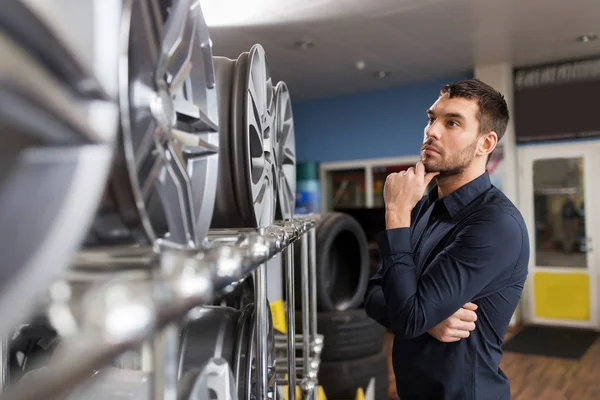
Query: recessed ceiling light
[[360, 65], [305, 44], [382, 74], [587, 38]]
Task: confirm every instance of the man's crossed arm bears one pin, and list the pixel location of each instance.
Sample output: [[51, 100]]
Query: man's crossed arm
[[454, 328], [470, 266]]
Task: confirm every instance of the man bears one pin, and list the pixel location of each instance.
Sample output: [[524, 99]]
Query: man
[[454, 260]]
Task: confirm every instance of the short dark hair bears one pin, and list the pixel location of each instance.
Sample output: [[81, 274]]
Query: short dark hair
[[493, 111]]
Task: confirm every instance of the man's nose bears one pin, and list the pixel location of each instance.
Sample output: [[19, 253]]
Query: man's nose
[[432, 131]]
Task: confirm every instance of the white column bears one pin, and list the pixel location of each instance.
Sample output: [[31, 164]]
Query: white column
[[500, 77]]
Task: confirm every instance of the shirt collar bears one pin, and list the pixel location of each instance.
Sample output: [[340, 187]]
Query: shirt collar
[[461, 197]]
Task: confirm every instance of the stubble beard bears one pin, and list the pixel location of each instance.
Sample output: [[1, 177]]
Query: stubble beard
[[453, 167]]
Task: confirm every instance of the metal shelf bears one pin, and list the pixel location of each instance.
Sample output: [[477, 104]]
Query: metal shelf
[[115, 299]]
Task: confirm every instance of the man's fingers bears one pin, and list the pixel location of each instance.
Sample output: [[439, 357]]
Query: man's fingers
[[466, 315], [459, 324], [420, 171], [470, 306], [454, 336], [420, 168], [449, 339], [459, 334], [464, 326]]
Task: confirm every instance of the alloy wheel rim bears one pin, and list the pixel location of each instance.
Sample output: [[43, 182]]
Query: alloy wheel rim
[[58, 122], [254, 88], [169, 119], [285, 151]]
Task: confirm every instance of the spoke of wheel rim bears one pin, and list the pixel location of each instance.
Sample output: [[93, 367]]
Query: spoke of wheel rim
[[144, 129], [191, 114], [202, 149], [146, 146], [254, 116], [180, 191], [191, 130], [197, 123], [286, 129], [150, 181], [158, 17], [269, 154], [185, 109], [150, 24], [268, 93], [257, 96], [258, 164], [177, 45], [288, 157], [288, 191], [260, 197], [27, 81], [193, 145]]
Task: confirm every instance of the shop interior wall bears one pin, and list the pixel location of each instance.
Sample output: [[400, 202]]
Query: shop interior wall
[[376, 124]]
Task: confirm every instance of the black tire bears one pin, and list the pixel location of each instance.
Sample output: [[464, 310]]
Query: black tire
[[341, 379], [348, 334], [342, 263]]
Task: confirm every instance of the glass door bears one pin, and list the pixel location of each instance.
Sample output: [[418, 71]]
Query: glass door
[[556, 184]]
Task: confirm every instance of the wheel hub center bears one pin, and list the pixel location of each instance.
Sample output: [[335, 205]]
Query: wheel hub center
[[163, 110]]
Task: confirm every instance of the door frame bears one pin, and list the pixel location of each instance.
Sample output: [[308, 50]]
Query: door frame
[[527, 155]]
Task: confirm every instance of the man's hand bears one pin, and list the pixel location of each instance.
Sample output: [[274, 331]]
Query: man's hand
[[402, 192], [456, 327]]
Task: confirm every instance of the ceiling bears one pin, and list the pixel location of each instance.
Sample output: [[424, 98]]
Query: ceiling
[[411, 40]]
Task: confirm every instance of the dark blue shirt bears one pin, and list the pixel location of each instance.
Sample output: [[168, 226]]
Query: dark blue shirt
[[469, 246]]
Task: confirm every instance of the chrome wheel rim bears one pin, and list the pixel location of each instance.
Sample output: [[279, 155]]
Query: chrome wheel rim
[[285, 152], [258, 130], [246, 194], [58, 122], [169, 122]]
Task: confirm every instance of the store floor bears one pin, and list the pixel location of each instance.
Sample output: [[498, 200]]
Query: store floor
[[536, 378]]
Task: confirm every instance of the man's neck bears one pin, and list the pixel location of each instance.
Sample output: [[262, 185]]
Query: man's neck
[[448, 184]]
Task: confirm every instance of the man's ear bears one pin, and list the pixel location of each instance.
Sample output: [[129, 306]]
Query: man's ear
[[487, 144]]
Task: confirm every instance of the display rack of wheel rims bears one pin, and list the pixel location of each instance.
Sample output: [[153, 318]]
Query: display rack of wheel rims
[[144, 185], [353, 355]]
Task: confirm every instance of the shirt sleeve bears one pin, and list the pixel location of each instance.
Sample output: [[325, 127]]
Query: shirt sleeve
[[375, 306], [484, 251]]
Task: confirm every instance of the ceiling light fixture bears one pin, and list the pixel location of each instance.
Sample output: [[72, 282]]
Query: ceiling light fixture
[[231, 13], [360, 65], [587, 38], [382, 74]]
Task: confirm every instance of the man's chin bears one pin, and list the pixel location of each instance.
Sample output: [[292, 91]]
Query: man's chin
[[430, 167]]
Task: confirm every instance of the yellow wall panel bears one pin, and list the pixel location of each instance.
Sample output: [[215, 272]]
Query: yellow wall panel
[[562, 296]]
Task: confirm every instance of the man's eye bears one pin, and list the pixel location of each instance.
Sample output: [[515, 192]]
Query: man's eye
[[430, 120], [452, 123]]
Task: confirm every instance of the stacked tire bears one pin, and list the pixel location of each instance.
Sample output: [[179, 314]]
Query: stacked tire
[[353, 352]]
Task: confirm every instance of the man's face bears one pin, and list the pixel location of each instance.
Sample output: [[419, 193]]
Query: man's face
[[451, 136]]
